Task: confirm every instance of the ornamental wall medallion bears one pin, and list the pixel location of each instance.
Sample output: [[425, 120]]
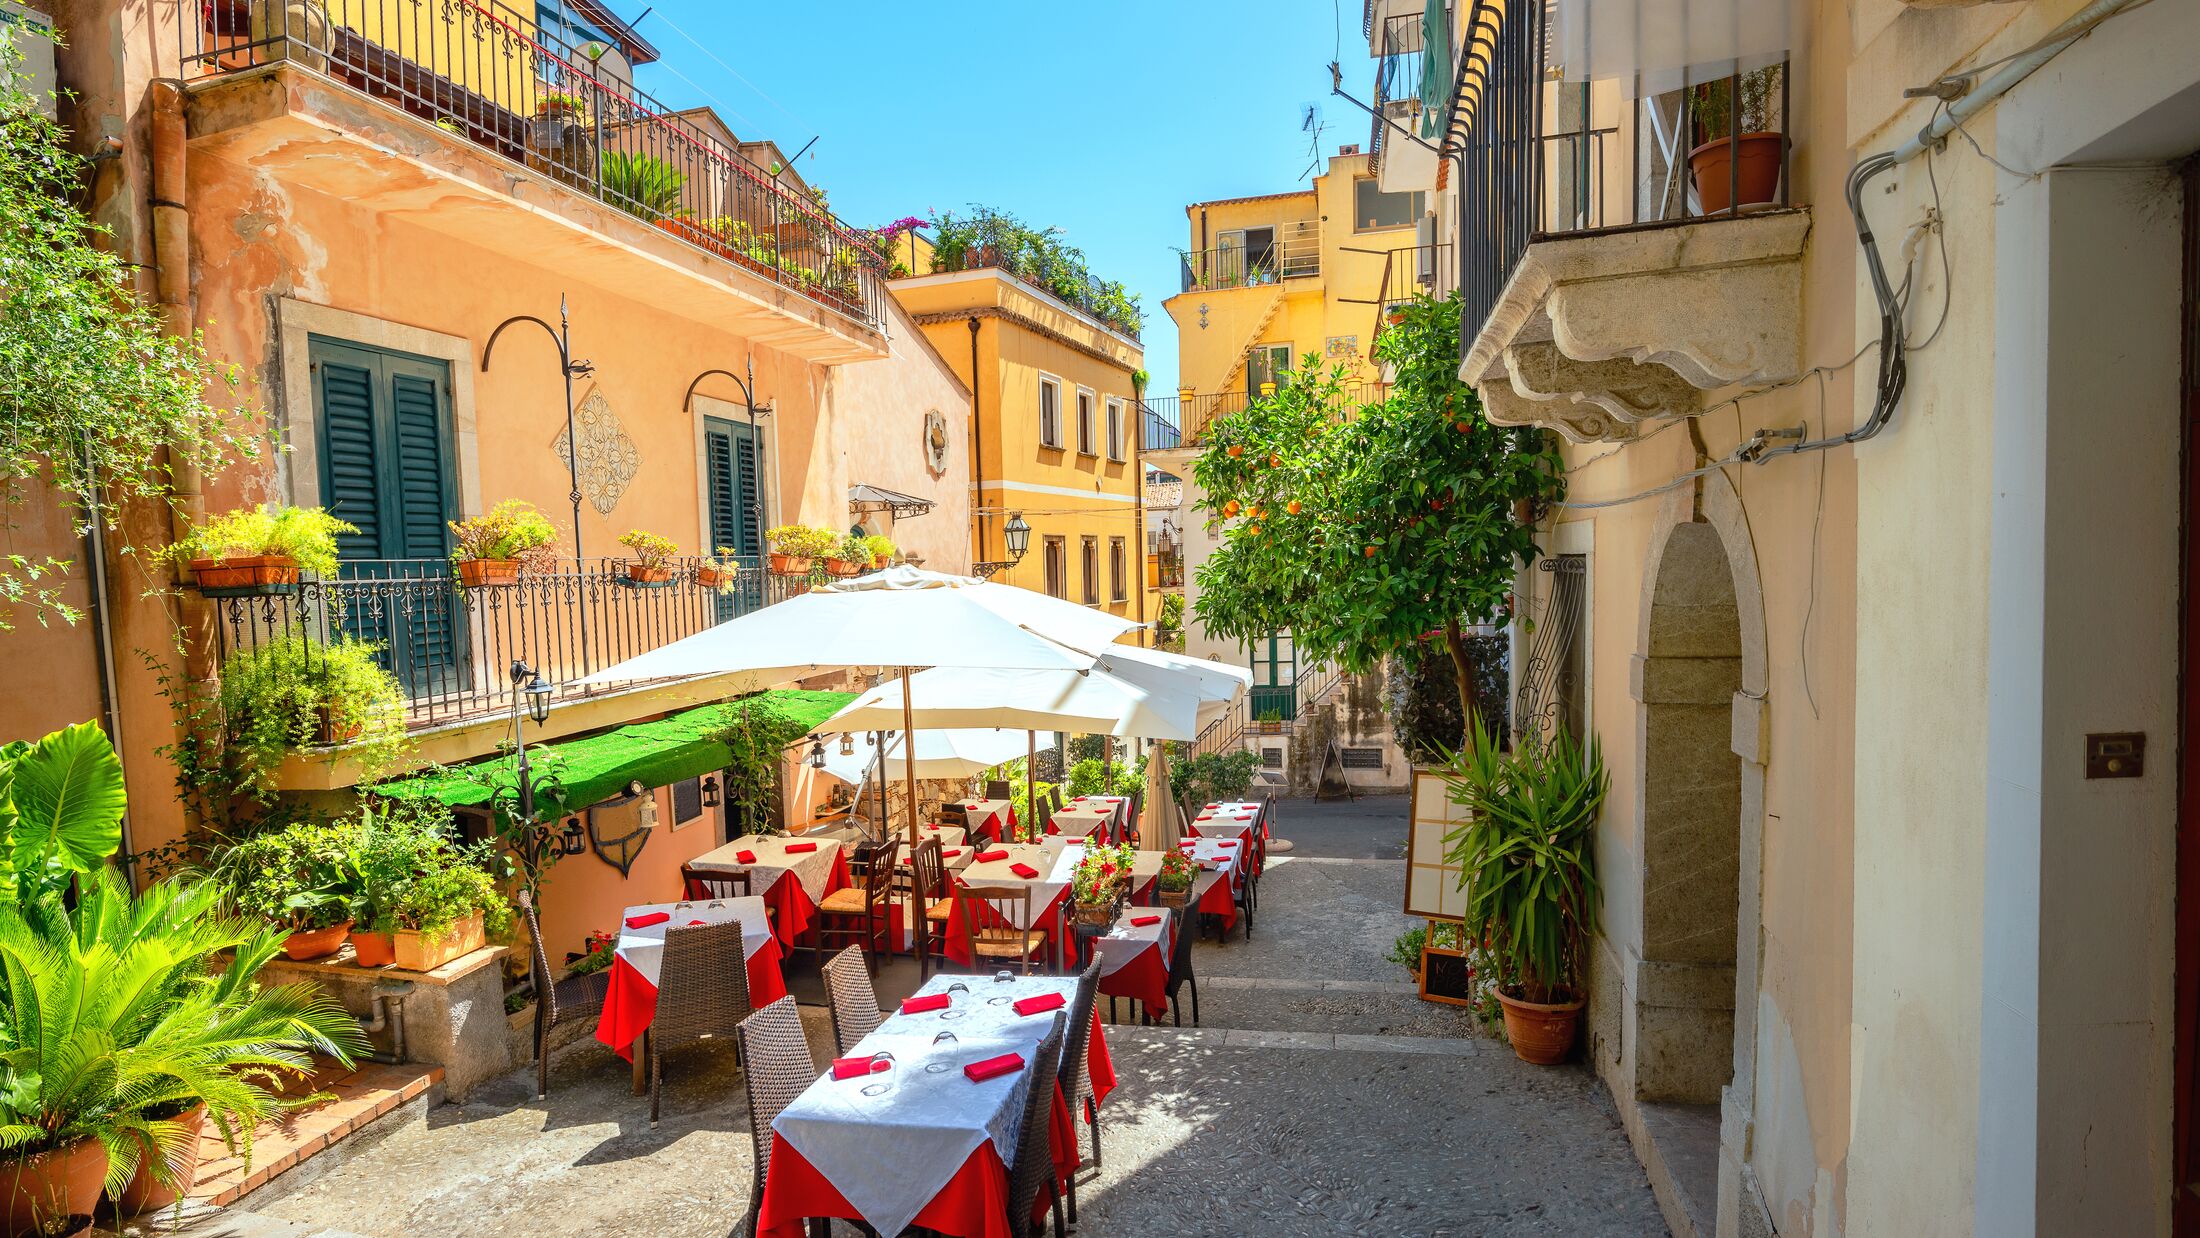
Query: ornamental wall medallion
[[935, 442], [608, 457], [1339, 347]]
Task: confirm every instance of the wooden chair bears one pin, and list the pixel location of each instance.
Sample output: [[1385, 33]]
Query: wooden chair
[[855, 1009], [956, 815], [779, 1068], [1076, 1072], [931, 902], [1034, 1166], [556, 1001], [708, 883], [990, 913], [863, 913], [702, 994], [1180, 964]]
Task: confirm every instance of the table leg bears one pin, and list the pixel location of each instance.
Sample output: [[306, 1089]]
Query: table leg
[[641, 1064]]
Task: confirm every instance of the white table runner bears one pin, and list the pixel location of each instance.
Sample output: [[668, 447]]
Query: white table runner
[[1211, 851], [813, 868], [643, 949]]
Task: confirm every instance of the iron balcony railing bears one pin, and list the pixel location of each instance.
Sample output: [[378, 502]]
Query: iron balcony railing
[[1190, 418], [450, 649], [1540, 156], [1160, 433], [1000, 243], [1398, 64], [1291, 249], [493, 77], [1407, 273]]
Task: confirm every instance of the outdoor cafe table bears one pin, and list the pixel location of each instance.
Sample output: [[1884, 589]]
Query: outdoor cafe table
[[630, 994], [792, 880], [952, 838], [1089, 814], [919, 1143], [1214, 891], [1134, 957], [1228, 820], [1055, 859], [988, 818]]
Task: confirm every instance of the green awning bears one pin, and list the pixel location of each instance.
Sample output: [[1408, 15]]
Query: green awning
[[597, 767]]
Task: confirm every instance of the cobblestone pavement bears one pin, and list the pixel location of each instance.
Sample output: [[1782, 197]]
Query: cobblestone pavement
[[1317, 1097]]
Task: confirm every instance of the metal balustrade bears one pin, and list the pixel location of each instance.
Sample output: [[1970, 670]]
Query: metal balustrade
[[1268, 254]]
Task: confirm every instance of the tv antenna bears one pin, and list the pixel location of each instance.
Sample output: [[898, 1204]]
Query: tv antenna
[[1312, 124]]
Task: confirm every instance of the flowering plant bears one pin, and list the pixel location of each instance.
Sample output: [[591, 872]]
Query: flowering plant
[[1178, 871], [1103, 875]]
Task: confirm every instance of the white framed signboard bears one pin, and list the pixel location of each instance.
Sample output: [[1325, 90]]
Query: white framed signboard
[[1432, 882]]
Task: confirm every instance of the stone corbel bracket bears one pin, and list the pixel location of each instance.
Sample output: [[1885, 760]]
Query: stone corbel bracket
[[1596, 334]]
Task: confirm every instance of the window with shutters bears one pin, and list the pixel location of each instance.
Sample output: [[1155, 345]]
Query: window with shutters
[[1091, 557], [1056, 576], [734, 467], [1115, 428], [388, 468], [1087, 445], [1050, 411], [1116, 574]]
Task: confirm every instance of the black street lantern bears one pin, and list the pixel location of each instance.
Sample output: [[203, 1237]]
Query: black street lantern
[[538, 701], [1017, 534], [817, 754]]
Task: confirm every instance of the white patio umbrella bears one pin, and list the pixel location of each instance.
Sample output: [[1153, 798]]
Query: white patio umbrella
[[940, 754], [1218, 685], [897, 620]]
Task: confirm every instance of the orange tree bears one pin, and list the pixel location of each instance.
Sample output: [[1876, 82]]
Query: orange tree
[[1362, 532]]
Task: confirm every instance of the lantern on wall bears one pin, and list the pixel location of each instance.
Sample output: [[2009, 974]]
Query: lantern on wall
[[1018, 537]]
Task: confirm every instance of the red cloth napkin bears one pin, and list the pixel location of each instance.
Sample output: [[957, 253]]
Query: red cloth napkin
[[746, 857], [932, 828], [994, 1067], [1227, 842], [951, 854], [799, 848], [918, 1005], [1025, 871], [1143, 921], [693, 923], [1040, 1004], [850, 1067], [654, 917], [987, 857]]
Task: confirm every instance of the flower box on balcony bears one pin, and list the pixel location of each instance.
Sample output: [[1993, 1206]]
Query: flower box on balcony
[[487, 573], [417, 951], [844, 567], [245, 574], [641, 577], [790, 565]]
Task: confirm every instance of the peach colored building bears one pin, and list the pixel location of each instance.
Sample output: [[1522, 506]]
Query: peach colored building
[[347, 212]]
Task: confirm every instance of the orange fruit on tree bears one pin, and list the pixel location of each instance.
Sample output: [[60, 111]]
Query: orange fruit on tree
[[1274, 459], [1230, 508], [1236, 450], [1371, 552], [1464, 427], [1254, 529], [1292, 507]]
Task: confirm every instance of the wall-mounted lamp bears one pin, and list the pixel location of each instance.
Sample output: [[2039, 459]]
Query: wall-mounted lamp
[[1017, 534], [817, 753]]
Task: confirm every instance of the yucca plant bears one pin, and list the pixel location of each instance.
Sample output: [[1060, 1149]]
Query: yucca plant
[[113, 1013], [1526, 857]]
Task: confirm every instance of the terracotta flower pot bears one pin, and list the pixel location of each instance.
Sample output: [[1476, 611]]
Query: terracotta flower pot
[[1541, 1033], [790, 565], [370, 949], [843, 567], [329, 730], [427, 951], [1757, 181], [644, 575], [714, 577], [145, 1192], [62, 1182], [481, 573], [244, 572], [316, 943]]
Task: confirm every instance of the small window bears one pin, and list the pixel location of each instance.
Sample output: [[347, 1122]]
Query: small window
[[1091, 556], [1373, 209], [1117, 576], [1087, 445], [1056, 577], [1271, 758], [687, 801], [1050, 411], [1115, 428]]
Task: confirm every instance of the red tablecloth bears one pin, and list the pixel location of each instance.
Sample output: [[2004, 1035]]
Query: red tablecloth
[[1143, 979], [630, 1000], [792, 902], [1048, 921], [1221, 900]]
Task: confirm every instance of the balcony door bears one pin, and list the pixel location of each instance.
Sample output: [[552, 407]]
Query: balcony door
[[1275, 691], [733, 457], [388, 467], [1266, 363]]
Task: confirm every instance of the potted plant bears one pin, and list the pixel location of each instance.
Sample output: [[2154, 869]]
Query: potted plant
[[651, 566], [849, 556], [436, 900], [1526, 857], [643, 186], [1736, 169], [1100, 882], [881, 547], [254, 551], [304, 879], [296, 693], [1178, 872], [1269, 721], [489, 550], [719, 571], [794, 546]]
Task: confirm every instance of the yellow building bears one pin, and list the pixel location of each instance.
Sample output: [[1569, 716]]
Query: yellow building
[[1269, 282], [1055, 442]]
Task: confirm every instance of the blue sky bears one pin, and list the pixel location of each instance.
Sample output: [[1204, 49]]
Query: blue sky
[[1103, 119]]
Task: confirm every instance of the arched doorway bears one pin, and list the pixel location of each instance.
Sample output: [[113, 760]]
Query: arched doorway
[[1691, 823]]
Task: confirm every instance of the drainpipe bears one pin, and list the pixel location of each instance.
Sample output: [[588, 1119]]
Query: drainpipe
[[977, 444], [103, 635], [388, 1003]]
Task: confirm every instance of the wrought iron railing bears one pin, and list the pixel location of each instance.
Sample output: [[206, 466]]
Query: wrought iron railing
[[450, 649], [1542, 156], [1398, 63], [1189, 418], [1293, 250], [493, 77], [992, 240], [1408, 273]]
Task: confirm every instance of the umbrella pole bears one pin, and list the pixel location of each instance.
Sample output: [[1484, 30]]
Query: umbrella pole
[[909, 752], [1031, 758]]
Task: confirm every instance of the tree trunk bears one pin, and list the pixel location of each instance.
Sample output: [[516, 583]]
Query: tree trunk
[[1463, 677]]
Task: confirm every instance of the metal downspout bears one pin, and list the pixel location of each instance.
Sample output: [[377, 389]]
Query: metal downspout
[[977, 446]]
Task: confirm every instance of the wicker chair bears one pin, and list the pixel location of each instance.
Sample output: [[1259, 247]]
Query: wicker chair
[[779, 1068], [989, 913], [702, 994], [854, 1002], [868, 903], [575, 997], [930, 904], [1135, 817], [1076, 1071], [1180, 963], [1034, 1165], [707, 883], [998, 789]]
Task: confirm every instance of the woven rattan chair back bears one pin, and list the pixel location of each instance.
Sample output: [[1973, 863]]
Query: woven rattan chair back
[[1185, 925], [990, 914], [709, 883], [702, 994], [856, 1013], [778, 1069], [1034, 1147], [998, 789], [1077, 1044]]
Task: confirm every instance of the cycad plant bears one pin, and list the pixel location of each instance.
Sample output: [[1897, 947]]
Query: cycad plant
[[114, 1022], [642, 185], [1526, 857]]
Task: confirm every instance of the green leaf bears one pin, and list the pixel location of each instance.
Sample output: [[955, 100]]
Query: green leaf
[[68, 800]]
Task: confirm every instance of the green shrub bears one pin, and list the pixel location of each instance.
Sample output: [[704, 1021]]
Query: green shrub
[[1212, 777], [273, 697], [882, 548], [802, 541], [306, 534], [414, 876], [301, 878], [642, 185]]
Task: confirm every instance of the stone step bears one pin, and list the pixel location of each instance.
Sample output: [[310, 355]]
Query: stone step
[[371, 1096]]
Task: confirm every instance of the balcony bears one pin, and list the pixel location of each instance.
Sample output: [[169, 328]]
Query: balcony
[[989, 240], [450, 648], [1401, 164], [1256, 257], [1618, 261], [477, 105], [1409, 272], [1185, 417]]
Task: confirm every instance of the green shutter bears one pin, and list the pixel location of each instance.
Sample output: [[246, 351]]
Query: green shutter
[[351, 458], [733, 465]]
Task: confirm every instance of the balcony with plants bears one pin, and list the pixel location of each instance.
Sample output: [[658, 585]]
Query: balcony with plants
[[1635, 245], [987, 239], [509, 96]]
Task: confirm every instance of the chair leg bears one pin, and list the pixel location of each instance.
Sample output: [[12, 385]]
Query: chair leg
[[1072, 1191], [1194, 982], [656, 1081], [542, 1059], [1092, 1123]]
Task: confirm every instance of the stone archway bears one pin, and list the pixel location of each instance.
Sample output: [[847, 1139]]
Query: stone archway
[[1691, 804]]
